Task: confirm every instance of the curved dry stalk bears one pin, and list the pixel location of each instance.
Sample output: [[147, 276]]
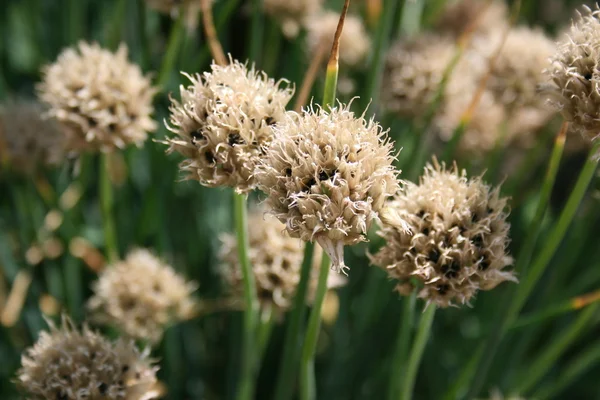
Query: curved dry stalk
[[16, 299], [211, 33]]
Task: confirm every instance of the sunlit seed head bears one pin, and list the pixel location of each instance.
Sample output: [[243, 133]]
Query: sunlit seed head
[[292, 14]]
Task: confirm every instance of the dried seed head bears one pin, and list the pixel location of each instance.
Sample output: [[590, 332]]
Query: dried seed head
[[223, 119], [354, 42], [276, 260], [292, 14], [457, 241], [459, 15], [68, 364], [327, 175], [27, 139], [575, 73], [413, 72], [141, 296], [102, 100]]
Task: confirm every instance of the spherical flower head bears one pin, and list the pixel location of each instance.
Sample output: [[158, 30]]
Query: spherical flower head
[[575, 73], [354, 42], [141, 296], [67, 363], [292, 14], [102, 100], [221, 122], [327, 175], [458, 15], [413, 73], [456, 241], [27, 139], [276, 260]]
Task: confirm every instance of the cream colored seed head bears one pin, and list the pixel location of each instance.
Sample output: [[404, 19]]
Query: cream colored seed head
[[27, 140], [276, 260], [141, 296], [221, 122], [292, 14], [413, 72], [458, 238], [575, 74], [458, 15], [102, 100], [354, 42], [70, 364], [327, 176]]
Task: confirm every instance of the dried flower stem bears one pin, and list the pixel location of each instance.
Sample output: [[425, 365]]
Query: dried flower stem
[[402, 346], [291, 348], [307, 367], [107, 204], [16, 299], [547, 360], [211, 33], [173, 46], [517, 301], [418, 347], [311, 75], [333, 63], [246, 386]]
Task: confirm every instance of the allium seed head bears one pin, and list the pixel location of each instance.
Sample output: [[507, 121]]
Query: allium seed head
[[70, 364], [141, 296], [292, 14], [102, 100], [327, 175], [276, 260], [457, 238], [575, 73], [354, 42], [27, 139], [459, 15], [222, 121]]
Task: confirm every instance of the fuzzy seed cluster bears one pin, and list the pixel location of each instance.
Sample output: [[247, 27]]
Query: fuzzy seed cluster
[[327, 175], [141, 296], [292, 14], [276, 260], [102, 100], [27, 139], [222, 122], [70, 364], [575, 74], [456, 241], [354, 41], [484, 16]]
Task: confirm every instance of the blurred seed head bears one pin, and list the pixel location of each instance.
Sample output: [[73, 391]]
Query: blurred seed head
[[101, 99], [354, 42], [66, 363], [276, 260], [457, 238], [27, 139], [575, 74], [458, 15], [327, 175], [141, 295], [292, 14], [222, 121]]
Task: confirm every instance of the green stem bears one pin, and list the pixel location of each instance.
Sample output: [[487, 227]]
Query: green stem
[[115, 28], [273, 50], [107, 205], [291, 344], [417, 351], [586, 359], [410, 20], [144, 44], [307, 368], [246, 387], [380, 47], [402, 345], [330, 86], [452, 145], [517, 301], [175, 38], [265, 327], [547, 360], [256, 31], [75, 12]]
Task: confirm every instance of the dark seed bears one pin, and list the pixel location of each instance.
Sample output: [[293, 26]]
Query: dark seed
[[270, 120], [323, 176], [103, 388], [443, 289], [478, 240], [434, 255], [210, 158], [288, 171], [426, 231], [233, 139], [483, 265], [588, 76]]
